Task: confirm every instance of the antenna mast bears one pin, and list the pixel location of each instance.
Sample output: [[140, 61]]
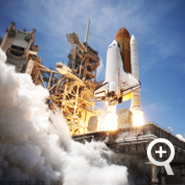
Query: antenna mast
[[87, 31]]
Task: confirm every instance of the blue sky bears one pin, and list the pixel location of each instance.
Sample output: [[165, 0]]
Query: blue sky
[[158, 25]]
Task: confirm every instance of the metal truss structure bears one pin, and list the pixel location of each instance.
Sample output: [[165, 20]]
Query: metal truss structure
[[70, 88]]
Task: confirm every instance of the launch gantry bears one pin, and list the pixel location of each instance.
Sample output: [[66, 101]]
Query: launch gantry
[[83, 60], [19, 47], [70, 88]]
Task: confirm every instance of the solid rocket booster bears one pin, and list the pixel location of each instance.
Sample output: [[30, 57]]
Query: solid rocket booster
[[136, 100], [134, 57]]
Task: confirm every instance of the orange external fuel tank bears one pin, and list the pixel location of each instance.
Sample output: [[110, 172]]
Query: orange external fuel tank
[[123, 38]]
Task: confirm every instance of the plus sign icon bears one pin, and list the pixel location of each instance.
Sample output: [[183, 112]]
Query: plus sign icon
[[161, 152], [166, 163]]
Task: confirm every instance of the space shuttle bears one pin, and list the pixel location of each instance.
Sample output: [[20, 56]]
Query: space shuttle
[[118, 82]]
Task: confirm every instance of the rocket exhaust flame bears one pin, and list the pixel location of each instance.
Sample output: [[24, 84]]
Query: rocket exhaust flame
[[36, 144], [110, 121], [137, 118]]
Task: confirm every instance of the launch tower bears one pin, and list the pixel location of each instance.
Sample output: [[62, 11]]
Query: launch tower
[[71, 88]]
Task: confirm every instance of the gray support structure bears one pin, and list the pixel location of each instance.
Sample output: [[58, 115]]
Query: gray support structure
[[163, 180], [133, 142], [154, 170], [182, 172]]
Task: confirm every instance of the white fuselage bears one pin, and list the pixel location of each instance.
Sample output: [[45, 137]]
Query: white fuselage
[[113, 67], [117, 82]]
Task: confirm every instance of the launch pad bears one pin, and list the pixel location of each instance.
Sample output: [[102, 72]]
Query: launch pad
[[133, 141]]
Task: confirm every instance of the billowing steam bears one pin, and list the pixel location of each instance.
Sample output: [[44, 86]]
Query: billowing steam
[[180, 137], [35, 144]]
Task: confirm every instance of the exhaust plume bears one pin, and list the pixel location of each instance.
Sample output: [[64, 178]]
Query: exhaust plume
[[35, 143]]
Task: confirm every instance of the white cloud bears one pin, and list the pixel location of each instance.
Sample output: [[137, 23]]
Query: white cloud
[[101, 71], [53, 19], [180, 137]]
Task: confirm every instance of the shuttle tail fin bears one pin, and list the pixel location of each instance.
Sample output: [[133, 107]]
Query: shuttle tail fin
[[128, 83]]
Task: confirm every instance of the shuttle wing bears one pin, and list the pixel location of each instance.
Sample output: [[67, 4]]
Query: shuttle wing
[[128, 82], [101, 91]]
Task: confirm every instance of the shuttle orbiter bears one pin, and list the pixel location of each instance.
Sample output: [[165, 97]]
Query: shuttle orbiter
[[118, 82]]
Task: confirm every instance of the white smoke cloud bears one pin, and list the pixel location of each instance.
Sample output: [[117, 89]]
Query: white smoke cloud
[[101, 70], [35, 144], [180, 137], [2, 56]]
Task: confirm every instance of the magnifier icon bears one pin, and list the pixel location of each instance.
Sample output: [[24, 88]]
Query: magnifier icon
[[166, 163]]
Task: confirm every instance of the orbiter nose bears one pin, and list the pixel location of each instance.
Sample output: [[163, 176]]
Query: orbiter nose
[[114, 43]]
